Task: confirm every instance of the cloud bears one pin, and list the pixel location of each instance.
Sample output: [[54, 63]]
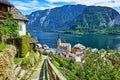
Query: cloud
[[31, 5], [109, 3], [28, 6]]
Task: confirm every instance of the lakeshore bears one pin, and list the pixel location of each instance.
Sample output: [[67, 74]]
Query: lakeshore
[[98, 41]]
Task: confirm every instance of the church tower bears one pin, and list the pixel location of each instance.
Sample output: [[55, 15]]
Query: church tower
[[59, 41]]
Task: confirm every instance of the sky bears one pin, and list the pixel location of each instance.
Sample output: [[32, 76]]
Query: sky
[[29, 6]]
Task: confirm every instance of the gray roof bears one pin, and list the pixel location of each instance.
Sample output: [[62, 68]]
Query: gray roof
[[33, 40], [6, 2], [18, 15]]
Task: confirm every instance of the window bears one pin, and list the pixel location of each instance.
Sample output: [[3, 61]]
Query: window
[[20, 27], [0, 10], [0, 7]]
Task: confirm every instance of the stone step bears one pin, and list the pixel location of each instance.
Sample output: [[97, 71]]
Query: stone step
[[17, 71], [21, 74]]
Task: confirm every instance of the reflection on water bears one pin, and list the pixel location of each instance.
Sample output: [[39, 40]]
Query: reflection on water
[[89, 40]]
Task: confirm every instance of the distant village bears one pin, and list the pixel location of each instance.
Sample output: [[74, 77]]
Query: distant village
[[65, 50]]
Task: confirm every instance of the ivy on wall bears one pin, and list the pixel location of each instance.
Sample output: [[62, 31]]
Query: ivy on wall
[[22, 44]]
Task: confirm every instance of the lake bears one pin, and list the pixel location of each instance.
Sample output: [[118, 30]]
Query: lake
[[89, 40]]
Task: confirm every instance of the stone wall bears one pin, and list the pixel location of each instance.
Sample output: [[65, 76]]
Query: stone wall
[[7, 63], [20, 73]]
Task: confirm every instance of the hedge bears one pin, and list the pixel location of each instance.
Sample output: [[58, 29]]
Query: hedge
[[22, 44]]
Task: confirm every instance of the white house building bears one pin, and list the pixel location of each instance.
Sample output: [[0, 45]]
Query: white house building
[[6, 6]]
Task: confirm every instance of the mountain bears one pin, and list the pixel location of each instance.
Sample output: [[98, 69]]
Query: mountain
[[59, 18], [97, 19], [78, 18]]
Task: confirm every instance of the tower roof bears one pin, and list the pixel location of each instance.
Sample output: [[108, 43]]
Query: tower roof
[[6, 2], [58, 35]]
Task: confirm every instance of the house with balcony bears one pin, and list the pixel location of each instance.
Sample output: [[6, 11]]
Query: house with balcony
[[6, 6]]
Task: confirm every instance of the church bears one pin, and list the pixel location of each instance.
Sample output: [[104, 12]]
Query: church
[[63, 46]]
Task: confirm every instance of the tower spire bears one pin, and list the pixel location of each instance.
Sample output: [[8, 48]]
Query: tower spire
[[59, 41], [58, 35]]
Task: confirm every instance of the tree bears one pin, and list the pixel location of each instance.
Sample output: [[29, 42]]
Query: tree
[[8, 28]]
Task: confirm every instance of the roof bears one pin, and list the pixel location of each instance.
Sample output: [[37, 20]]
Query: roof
[[18, 15], [6, 2], [33, 40], [65, 44], [79, 46]]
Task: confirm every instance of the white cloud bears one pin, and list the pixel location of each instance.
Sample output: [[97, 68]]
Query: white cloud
[[33, 5], [26, 5], [109, 3]]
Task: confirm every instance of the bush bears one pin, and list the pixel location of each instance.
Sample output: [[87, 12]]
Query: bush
[[22, 44], [25, 60], [2, 46], [95, 67], [16, 60]]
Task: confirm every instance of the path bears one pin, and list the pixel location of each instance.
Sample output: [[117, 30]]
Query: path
[[36, 74]]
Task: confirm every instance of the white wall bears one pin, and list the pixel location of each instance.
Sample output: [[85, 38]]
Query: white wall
[[22, 28]]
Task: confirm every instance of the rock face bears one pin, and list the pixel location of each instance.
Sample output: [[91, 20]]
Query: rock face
[[98, 16], [63, 18], [51, 19], [7, 63]]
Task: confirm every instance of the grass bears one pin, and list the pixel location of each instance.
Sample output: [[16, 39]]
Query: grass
[[67, 73], [16, 60], [56, 64], [33, 70], [2, 47], [32, 54], [25, 60]]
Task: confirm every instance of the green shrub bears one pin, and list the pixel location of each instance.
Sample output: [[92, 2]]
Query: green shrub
[[2, 46], [25, 61], [16, 60], [32, 54], [22, 44], [95, 67]]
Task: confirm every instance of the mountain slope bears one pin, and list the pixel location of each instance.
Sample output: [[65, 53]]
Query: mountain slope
[[97, 16], [80, 18], [97, 19], [59, 18]]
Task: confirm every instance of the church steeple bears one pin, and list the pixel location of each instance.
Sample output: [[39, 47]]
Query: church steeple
[[59, 41], [58, 35]]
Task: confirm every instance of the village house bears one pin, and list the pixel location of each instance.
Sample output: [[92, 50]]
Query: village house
[[6, 6], [77, 50]]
